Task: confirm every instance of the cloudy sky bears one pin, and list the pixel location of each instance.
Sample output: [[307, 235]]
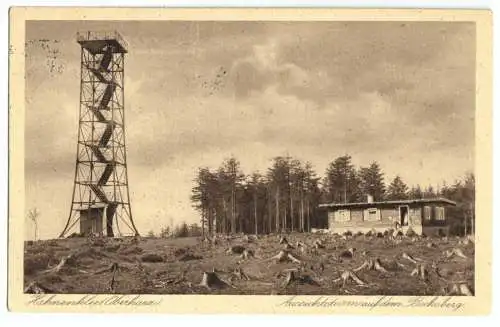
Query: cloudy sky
[[197, 92]]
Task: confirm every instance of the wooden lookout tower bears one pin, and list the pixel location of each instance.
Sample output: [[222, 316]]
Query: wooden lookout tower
[[101, 200]]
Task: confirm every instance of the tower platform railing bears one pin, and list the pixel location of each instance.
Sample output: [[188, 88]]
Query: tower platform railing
[[88, 36]]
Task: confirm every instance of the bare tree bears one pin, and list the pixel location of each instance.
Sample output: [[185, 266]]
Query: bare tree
[[33, 215]]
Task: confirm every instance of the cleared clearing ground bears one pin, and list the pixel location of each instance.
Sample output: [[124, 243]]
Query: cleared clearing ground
[[170, 266]]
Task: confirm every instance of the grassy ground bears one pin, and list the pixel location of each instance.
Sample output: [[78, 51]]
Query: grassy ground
[[173, 266]]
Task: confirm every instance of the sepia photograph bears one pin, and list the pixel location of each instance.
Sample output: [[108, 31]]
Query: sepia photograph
[[312, 157]]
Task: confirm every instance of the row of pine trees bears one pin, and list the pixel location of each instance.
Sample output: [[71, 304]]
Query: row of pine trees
[[287, 195]]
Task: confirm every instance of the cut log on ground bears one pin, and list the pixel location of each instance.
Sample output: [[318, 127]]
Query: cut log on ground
[[370, 233], [240, 274], [421, 271], [290, 277], [236, 249], [442, 273], [349, 276], [250, 238], [347, 254], [294, 276], [410, 258], [465, 242], [378, 266], [455, 252], [318, 244], [397, 233], [112, 268], [210, 240], [211, 280], [283, 256], [372, 265], [400, 265], [368, 264], [301, 247], [60, 265], [37, 288], [189, 256], [247, 253], [283, 240], [112, 282], [461, 289]]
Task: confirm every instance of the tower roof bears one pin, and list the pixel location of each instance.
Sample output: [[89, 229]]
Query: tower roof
[[100, 41]]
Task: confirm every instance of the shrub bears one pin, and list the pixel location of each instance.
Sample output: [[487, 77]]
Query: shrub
[[181, 231], [165, 232]]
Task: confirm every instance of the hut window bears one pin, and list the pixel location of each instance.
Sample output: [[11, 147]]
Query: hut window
[[372, 214], [427, 213], [342, 215], [439, 213]]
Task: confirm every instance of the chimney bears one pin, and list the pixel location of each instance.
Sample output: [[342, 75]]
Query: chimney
[[369, 198]]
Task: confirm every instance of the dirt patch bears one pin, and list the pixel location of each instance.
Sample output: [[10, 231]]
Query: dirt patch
[[50, 279], [37, 262], [128, 250], [189, 256], [180, 252], [89, 253], [112, 247]]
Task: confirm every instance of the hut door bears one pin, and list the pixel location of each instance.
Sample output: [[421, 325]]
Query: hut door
[[403, 215]]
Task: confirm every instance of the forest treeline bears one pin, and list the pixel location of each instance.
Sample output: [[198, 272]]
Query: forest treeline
[[286, 196]]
